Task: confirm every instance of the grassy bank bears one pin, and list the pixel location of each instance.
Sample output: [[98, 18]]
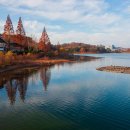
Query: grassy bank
[[10, 61]]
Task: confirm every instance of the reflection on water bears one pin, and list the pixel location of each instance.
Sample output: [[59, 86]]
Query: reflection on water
[[67, 97], [45, 75], [14, 85], [22, 87], [11, 88], [19, 85]]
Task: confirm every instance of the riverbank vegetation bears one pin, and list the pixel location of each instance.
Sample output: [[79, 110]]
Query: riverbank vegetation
[[75, 47], [17, 50], [11, 61]]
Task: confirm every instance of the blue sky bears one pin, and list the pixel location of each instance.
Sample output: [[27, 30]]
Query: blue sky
[[90, 21]]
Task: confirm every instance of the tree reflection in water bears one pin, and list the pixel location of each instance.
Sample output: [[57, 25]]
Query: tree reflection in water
[[45, 75], [15, 83], [12, 85], [22, 87]]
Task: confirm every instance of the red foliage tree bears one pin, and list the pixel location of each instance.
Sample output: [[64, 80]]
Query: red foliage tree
[[44, 42]]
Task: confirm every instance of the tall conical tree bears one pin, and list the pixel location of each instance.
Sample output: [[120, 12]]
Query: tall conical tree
[[20, 29], [44, 42], [8, 27]]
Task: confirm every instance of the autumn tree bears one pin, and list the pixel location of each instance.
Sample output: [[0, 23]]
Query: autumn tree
[[82, 50], [44, 42]]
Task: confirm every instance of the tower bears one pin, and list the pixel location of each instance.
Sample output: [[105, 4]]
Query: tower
[[8, 27], [20, 29], [44, 42]]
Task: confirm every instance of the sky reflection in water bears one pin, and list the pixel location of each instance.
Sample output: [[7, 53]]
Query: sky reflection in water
[[70, 96]]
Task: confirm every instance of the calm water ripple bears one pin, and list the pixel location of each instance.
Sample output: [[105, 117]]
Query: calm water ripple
[[68, 97]]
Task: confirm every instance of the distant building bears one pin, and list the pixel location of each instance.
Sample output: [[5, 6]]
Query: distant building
[[12, 46], [108, 47], [16, 48], [113, 48], [3, 45]]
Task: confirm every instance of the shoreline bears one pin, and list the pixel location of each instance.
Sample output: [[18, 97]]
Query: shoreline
[[115, 69], [44, 62], [32, 64]]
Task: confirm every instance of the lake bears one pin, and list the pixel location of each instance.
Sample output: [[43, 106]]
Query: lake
[[72, 96]]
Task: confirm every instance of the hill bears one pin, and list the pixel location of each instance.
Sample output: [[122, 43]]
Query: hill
[[75, 47]]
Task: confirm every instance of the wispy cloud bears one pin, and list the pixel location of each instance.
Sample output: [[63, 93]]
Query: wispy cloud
[[91, 21], [73, 11]]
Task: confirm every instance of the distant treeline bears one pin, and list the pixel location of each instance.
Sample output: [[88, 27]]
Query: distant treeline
[[83, 48]]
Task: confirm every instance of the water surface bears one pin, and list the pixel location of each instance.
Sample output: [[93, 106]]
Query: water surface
[[68, 97]]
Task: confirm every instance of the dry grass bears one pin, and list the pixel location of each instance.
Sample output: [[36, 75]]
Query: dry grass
[[10, 58]]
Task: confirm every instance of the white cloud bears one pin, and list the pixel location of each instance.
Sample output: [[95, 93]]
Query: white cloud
[[68, 10], [35, 26], [127, 9], [93, 38], [113, 35], [106, 26], [91, 12], [2, 25]]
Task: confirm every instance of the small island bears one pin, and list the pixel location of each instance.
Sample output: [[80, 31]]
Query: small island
[[115, 69]]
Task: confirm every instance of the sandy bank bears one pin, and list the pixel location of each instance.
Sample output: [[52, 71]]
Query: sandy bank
[[115, 69]]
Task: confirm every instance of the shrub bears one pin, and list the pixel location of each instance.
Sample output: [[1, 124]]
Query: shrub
[[9, 57], [29, 54], [2, 58]]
